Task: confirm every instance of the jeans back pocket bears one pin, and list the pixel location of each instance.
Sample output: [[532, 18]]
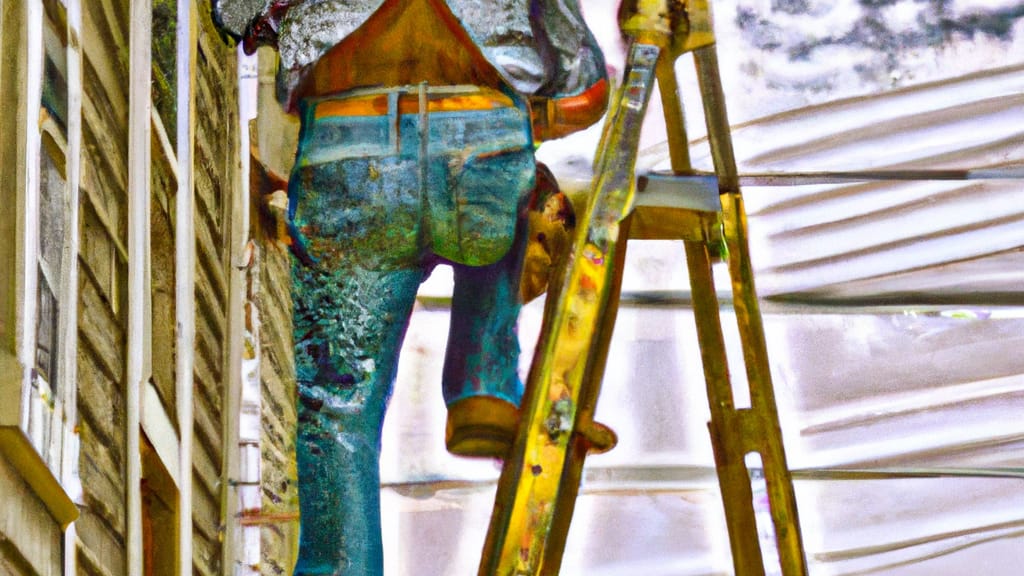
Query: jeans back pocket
[[485, 192]]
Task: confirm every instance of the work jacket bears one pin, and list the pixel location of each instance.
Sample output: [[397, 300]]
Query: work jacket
[[542, 49]]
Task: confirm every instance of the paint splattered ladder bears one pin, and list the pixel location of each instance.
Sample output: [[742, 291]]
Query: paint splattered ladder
[[541, 477]]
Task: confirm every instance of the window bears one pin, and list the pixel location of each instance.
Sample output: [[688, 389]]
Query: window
[[44, 400], [38, 238], [53, 194], [44, 405]]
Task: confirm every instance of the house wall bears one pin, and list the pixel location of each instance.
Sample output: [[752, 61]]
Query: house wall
[[280, 501], [217, 172], [275, 138], [103, 269], [103, 285], [29, 538], [101, 542]]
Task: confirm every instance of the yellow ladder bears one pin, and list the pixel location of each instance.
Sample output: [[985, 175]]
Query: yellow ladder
[[541, 476]]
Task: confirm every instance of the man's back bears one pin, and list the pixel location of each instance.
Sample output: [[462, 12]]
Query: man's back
[[403, 43], [537, 47]]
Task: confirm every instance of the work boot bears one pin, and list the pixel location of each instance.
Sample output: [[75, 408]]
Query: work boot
[[481, 426]]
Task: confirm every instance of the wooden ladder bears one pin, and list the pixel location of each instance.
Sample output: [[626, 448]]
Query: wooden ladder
[[541, 476]]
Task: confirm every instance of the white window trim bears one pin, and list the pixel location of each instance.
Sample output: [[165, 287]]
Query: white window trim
[[139, 307], [185, 265], [49, 470], [69, 321], [246, 468], [30, 216], [145, 410]]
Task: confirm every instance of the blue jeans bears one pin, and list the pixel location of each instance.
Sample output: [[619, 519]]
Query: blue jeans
[[378, 201]]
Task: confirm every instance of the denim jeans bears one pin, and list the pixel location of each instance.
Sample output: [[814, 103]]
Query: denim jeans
[[377, 201]]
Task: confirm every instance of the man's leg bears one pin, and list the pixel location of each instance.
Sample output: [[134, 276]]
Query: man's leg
[[481, 384], [349, 325], [353, 288]]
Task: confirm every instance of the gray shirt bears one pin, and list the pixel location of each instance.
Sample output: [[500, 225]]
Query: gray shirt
[[540, 47]]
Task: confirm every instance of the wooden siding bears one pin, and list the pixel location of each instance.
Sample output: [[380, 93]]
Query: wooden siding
[[102, 289], [215, 163], [280, 501], [27, 546], [30, 541], [102, 285]]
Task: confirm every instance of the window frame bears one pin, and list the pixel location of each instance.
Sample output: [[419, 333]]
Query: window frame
[[37, 434]]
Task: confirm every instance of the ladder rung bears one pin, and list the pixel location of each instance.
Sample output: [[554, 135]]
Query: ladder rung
[[689, 192], [676, 207]]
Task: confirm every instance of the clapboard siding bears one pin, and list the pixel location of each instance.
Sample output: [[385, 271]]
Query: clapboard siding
[[101, 350]]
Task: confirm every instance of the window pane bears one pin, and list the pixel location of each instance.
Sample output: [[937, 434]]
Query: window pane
[[52, 226], [46, 332], [55, 87]]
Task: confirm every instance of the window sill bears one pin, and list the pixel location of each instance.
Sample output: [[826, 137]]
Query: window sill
[[17, 449]]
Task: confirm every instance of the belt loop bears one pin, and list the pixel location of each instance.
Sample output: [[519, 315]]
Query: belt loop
[[424, 128], [422, 105], [424, 133], [394, 118]]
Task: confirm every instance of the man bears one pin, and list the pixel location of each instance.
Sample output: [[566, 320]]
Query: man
[[418, 123]]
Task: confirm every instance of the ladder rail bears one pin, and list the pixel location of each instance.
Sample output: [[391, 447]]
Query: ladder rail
[[765, 435], [541, 476]]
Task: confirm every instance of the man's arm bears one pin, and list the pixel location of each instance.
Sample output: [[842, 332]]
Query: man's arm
[[253, 22], [568, 47], [235, 16], [575, 94]]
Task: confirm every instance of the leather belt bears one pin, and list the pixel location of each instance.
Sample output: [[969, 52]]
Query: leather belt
[[408, 101]]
